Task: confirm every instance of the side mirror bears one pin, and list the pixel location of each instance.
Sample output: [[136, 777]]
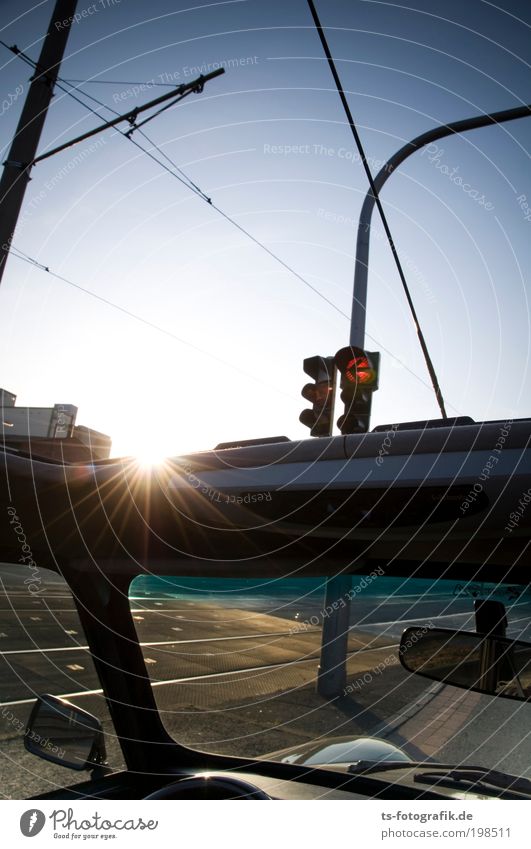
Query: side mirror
[[479, 662], [65, 734]]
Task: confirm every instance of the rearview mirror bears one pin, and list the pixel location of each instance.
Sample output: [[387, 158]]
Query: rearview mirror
[[485, 664], [65, 734]]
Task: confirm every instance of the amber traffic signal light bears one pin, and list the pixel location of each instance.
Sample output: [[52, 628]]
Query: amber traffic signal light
[[320, 393]]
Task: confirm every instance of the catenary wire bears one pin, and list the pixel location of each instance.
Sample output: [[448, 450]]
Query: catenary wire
[[375, 194], [188, 183]]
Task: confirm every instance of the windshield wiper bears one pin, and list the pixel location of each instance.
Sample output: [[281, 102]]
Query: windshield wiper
[[477, 778], [461, 778], [366, 767]]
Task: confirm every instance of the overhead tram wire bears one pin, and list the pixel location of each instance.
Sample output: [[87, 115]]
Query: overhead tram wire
[[178, 173], [374, 190], [147, 84], [197, 190], [184, 179], [205, 197], [188, 183], [18, 254], [211, 203], [201, 194]]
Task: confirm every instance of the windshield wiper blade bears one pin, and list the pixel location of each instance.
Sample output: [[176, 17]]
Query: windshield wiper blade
[[474, 777], [366, 767], [434, 773]]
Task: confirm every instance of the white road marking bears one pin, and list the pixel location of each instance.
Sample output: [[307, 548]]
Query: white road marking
[[468, 614], [164, 642], [211, 675]]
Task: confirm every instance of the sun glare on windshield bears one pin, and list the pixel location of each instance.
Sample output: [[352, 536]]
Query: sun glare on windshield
[[150, 456]]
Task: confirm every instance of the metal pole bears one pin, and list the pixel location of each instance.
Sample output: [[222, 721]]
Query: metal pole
[[359, 296], [179, 92], [332, 673], [16, 174], [331, 680]]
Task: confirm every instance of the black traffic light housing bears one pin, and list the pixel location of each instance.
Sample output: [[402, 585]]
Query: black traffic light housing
[[320, 393], [359, 371]]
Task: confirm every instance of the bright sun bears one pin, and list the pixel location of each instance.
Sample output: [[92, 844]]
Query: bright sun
[[148, 449], [150, 455]]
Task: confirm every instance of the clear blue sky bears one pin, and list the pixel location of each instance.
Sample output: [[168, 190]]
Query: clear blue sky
[[268, 143]]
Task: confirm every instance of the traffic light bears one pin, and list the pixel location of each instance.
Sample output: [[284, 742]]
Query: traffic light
[[320, 393], [359, 379]]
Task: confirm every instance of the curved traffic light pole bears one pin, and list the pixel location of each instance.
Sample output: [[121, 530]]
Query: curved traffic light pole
[[359, 295], [331, 681]]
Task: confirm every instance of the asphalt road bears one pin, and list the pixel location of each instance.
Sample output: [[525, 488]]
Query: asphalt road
[[242, 681]]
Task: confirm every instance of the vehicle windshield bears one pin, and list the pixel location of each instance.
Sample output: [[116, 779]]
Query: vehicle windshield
[[43, 649], [235, 669]]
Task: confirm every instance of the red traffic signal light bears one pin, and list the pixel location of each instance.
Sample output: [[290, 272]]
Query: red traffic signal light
[[359, 371], [320, 394]]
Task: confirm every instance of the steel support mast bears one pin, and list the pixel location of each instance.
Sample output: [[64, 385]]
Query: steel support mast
[[17, 166]]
